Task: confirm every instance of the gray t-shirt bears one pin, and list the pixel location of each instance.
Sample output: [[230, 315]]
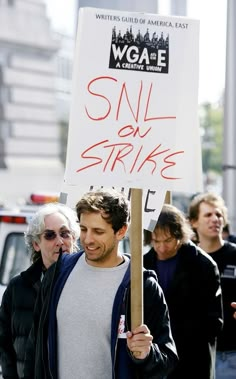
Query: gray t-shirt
[[84, 321]]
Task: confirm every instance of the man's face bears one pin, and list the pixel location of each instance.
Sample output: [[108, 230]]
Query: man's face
[[210, 221], [55, 236], [164, 244], [99, 240]]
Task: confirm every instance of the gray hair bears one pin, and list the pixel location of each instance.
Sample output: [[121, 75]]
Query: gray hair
[[37, 225]]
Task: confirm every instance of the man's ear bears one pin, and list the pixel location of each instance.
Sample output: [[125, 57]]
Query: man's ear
[[122, 232], [36, 246], [194, 224]]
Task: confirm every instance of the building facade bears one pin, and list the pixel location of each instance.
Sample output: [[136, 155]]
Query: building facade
[[29, 131]]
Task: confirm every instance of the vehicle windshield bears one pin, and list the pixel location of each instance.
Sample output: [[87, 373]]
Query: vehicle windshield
[[15, 257]]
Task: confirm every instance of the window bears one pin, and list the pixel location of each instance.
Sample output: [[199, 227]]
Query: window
[[15, 257]]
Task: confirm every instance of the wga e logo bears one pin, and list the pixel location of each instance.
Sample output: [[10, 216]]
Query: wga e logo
[[141, 52]]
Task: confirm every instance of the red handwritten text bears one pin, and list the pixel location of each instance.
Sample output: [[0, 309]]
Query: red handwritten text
[[123, 97], [124, 154]]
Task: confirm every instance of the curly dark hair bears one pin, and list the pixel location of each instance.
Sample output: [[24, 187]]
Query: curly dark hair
[[112, 205]]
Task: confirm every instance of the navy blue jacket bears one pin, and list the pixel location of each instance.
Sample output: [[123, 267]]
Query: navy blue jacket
[[43, 338]]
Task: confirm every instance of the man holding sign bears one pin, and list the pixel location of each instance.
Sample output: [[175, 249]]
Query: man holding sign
[[84, 329]]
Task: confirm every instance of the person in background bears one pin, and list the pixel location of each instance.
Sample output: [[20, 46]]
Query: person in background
[[233, 304], [208, 215], [227, 235], [91, 291], [53, 229], [191, 284]]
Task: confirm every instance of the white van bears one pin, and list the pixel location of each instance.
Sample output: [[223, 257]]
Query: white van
[[14, 256]]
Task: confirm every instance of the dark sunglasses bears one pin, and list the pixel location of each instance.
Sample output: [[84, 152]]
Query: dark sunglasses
[[50, 235]]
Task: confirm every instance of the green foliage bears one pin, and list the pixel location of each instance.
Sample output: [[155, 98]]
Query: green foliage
[[211, 123]]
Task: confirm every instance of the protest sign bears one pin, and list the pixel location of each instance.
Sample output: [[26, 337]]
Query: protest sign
[[133, 118]]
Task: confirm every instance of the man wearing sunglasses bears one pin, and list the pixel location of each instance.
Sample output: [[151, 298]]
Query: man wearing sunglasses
[[52, 230], [83, 330]]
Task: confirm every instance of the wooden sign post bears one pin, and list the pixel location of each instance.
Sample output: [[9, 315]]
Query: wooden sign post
[[136, 233]]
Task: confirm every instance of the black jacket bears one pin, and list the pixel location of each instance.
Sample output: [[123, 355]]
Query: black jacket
[[42, 343], [225, 258], [16, 318], [195, 308]]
